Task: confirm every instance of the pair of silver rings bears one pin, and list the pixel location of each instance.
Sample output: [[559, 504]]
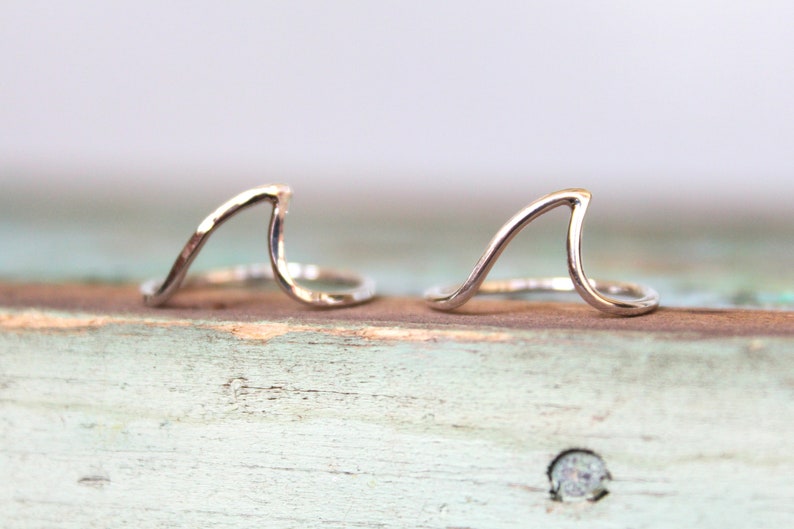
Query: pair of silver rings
[[612, 297]]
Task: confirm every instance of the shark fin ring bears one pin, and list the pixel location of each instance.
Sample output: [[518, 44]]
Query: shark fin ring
[[354, 289], [633, 299]]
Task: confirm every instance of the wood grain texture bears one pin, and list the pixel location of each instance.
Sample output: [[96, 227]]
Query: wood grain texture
[[238, 409]]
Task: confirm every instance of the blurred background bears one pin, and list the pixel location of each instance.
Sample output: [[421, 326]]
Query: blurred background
[[124, 123]]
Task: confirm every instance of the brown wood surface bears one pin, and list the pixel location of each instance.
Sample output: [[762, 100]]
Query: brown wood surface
[[246, 305]]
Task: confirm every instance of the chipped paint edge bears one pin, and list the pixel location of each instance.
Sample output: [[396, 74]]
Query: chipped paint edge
[[36, 320]]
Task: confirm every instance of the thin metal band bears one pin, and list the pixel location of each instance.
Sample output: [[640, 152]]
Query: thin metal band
[[360, 289], [596, 293]]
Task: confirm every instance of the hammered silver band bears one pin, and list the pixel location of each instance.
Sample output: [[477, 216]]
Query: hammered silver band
[[634, 299], [355, 289]]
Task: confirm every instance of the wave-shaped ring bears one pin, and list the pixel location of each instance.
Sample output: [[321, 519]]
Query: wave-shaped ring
[[642, 299], [360, 289]]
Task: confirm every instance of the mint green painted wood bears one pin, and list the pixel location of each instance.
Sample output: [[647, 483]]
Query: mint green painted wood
[[107, 420]]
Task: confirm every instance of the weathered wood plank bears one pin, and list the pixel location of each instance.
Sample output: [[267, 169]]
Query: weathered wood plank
[[245, 304], [385, 415]]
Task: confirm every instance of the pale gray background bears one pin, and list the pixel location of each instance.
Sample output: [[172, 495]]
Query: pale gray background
[[671, 100]]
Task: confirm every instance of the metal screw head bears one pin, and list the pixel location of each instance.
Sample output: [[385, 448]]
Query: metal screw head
[[578, 474]]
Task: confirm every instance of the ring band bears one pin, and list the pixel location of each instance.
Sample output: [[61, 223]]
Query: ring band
[[547, 285], [359, 289], [598, 294]]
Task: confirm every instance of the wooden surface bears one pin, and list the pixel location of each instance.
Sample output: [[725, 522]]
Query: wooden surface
[[245, 304], [240, 409]]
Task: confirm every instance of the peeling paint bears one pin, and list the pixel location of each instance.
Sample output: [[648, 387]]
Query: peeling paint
[[258, 331], [429, 335], [35, 320], [264, 331], [268, 331], [31, 320]]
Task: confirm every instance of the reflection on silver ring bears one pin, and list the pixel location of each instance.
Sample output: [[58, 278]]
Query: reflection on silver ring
[[357, 289], [643, 299]]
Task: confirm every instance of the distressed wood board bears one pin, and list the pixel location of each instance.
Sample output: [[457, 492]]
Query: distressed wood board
[[239, 408]]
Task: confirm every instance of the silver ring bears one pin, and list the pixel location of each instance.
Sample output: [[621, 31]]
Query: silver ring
[[357, 289], [599, 294]]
